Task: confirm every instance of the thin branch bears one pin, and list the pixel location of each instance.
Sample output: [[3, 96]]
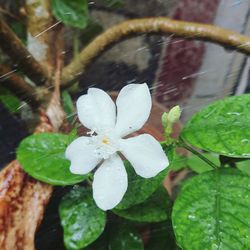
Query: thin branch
[[15, 83], [13, 47], [163, 25], [6, 12], [54, 110]]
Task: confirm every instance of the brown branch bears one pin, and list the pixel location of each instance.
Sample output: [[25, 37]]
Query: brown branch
[[163, 25], [22, 199], [40, 40], [55, 111], [6, 12], [22, 202], [13, 47], [15, 83]]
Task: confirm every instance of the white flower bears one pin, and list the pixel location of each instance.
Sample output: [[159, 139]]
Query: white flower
[[108, 126]]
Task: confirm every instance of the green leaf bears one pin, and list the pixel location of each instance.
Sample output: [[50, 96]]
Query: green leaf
[[71, 12], [42, 157], [222, 127], [161, 237], [20, 30], [178, 162], [244, 166], [11, 102], [155, 209], [100, 244], [212, 211], [170, 151], [68, 106], [124, 237], [199, 166], [83, 222], [139, 189]]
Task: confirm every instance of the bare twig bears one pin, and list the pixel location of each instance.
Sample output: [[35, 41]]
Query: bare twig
[[18, 86], [54, 110], [58, 74], [6, 12], [14, 48], [163, 25]]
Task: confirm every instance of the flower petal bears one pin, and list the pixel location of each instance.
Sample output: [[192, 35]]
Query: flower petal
[[145, 154], [82, 156], [133, 108], [96, 110], [110, 183]]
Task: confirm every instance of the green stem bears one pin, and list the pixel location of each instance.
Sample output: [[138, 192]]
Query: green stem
[[195, 152], [76, 45], [89, 182]]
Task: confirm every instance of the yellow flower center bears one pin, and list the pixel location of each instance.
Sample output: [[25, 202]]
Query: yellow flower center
[[105, 143], [105, 140]]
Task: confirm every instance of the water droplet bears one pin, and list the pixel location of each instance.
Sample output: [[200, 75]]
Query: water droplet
[[191, 217], [245, 141], [234, 113]]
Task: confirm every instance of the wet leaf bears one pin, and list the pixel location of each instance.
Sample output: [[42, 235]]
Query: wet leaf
[[139, 189], [100, 244], [42, 157], [125, 237], [178, 162], [212, 211], [10, 101], [71, 12], [83, 222], [155, 209], [222, 127], [199, 166], [244, 166], [161, 237]]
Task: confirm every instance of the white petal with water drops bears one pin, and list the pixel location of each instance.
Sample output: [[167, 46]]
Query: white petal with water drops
[[133, 108], [82, 155], [110, 183], [96, 110], [145, 154]]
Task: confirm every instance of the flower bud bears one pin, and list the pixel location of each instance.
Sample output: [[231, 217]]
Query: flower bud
[[164, 120], [174, 114]]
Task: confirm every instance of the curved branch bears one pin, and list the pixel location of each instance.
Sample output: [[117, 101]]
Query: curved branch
[[14, 48], [164, 25]]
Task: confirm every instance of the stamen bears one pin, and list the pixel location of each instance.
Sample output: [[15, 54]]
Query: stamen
[[105, 140], [105, 144]]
